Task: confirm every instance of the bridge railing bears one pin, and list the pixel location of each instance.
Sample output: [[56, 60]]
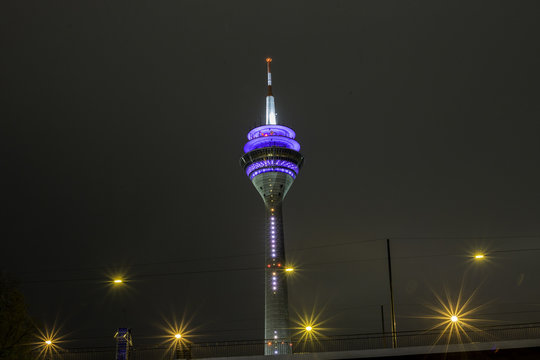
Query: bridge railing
[[326, 344]]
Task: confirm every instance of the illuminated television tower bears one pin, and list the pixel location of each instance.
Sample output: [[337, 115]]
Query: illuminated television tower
[[272, 161]]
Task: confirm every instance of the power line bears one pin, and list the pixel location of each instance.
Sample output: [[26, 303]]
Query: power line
[[293, 250], [479, 237], [207, 258], [143, 275], [259, 268], [199, 259]]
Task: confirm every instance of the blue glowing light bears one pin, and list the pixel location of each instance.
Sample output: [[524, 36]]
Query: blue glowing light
[[272, 162], [272, 169], [271, 130], [271, 136], [271, 141]]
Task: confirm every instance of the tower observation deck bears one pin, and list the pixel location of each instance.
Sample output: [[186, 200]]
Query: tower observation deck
[[272, 161]]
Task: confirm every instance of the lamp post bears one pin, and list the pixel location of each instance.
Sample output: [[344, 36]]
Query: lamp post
[[182, 348], [178, 340], [120, 285], [48, 349], [392, 312]]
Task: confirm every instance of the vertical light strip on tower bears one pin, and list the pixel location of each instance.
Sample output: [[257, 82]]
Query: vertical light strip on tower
[[272, 161]]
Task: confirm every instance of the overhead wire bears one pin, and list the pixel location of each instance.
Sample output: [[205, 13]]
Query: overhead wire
[[257, 268], [292, 250], [196, 259]]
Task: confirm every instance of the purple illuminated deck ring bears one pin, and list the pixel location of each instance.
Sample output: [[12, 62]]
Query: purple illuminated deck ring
[[272, 169], [271, 141], [271, 163], [271, 136], [268, 130]]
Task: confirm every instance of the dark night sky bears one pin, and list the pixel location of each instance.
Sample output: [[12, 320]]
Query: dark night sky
[[123, 123]]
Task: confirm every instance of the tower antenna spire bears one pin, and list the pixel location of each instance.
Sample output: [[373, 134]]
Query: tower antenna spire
[[269, 76], [270, 104]]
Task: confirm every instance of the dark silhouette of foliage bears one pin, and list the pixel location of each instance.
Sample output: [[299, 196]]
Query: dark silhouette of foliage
[[16, 325]]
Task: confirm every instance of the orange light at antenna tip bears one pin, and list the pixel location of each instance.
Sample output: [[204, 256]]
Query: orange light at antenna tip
[[268, 60]]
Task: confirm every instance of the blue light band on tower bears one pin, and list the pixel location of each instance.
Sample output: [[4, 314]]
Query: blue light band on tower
[[272, 161]]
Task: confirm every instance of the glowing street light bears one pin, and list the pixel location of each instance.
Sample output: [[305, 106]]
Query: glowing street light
[[118, 281], [309, 329], [289, 269], [177, 336], [179, 345], [48, 343], [454, 316], [480, 256]]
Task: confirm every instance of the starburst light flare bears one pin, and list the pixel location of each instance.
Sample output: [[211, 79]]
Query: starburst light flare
[[455, 317], [308, 329], [48, 343], [177, 334]]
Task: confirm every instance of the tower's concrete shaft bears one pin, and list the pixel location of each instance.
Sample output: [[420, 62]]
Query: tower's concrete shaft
[[272, 186], [272, 171]]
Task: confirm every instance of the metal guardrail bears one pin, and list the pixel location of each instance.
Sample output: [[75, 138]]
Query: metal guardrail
[[335, 343]]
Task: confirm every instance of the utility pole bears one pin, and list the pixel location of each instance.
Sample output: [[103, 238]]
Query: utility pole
[[392, 312], [382, 324]]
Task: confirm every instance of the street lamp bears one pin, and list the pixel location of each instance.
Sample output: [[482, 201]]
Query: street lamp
[[178, 336], [182, 347], [177, 341], [48, 343], [48, 349]]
